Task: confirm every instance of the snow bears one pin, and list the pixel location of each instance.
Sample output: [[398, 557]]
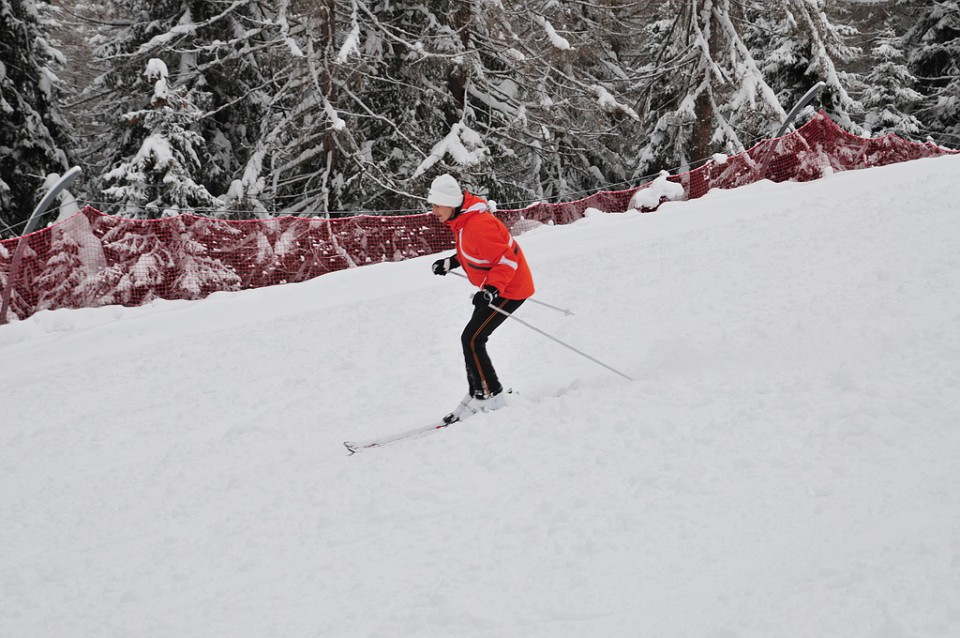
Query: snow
[[337, 123], [463, 145], [785, 463], [518, 56], [609, 103], [154, 146], [46, 82], [351, 45], [557, 40], [659, 189]]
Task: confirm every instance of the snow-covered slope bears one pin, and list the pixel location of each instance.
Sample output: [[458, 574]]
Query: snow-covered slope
[[786, 463]]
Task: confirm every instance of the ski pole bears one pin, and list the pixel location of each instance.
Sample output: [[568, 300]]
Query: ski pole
[[563, 310], [566, 345]]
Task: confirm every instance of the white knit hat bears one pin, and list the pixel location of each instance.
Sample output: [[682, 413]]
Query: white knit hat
[[445, 191]]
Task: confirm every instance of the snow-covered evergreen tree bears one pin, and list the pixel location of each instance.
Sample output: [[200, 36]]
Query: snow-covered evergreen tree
[[198, 273], [225, 59], [375, 89], [34, 137], [62, 275], [158, 179], [69, 277], [797, 45], [934, 58], [141, 262], [889, 98], [337, 105], [527, 102], [556, 91], [708, 94]]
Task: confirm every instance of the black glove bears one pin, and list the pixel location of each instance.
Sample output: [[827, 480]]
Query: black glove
[[486, 297], [445, 265]]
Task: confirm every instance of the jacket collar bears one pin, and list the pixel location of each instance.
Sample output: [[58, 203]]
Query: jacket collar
[[457, 221], [460, 216]]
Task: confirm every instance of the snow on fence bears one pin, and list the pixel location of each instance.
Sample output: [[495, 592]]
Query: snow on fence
[[92, 259]]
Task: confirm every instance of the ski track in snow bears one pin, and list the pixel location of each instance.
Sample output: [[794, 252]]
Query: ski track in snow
[[785, 464]]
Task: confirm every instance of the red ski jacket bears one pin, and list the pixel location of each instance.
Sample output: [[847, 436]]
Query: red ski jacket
[[487, 252]]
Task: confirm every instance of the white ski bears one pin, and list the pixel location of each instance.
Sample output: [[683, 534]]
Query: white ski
[[356, 446]]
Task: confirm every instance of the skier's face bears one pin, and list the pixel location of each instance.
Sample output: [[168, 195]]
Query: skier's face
[[443, 213]]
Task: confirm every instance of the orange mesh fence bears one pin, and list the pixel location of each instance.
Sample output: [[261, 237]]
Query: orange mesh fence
[[94, 259]]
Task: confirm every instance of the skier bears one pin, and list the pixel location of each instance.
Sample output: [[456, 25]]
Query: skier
[[494, 263]]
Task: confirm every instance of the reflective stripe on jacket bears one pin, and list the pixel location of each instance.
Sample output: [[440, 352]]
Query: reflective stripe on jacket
[[487, 252]]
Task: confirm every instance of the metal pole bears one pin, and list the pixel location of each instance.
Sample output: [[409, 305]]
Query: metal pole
[[563, 310], [62, 184], [565, 345], [806, 99]]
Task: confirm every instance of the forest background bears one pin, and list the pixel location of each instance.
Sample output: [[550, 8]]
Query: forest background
[[246, 108]]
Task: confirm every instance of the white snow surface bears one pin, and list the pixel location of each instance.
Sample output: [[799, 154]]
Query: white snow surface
[[786, 463]]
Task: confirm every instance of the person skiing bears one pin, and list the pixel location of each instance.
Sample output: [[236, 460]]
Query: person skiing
[[495, 264]]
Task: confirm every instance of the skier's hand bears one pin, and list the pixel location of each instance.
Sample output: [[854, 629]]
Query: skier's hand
[[486, 297], [445, 265]]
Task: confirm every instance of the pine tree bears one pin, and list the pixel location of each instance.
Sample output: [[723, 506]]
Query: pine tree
[[555, 91], [525, 103], [889, 98], [159, 178], [75, 259], [364, 101], [199, 272], [707, 93], [797, 45], [226, 60], [934, 58], [141, 259], [34, 137], [62, 275]]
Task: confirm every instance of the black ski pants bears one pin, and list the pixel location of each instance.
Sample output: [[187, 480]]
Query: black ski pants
[[480, 373]]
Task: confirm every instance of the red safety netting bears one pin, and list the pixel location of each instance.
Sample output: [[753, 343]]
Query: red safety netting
[[92, 259]]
